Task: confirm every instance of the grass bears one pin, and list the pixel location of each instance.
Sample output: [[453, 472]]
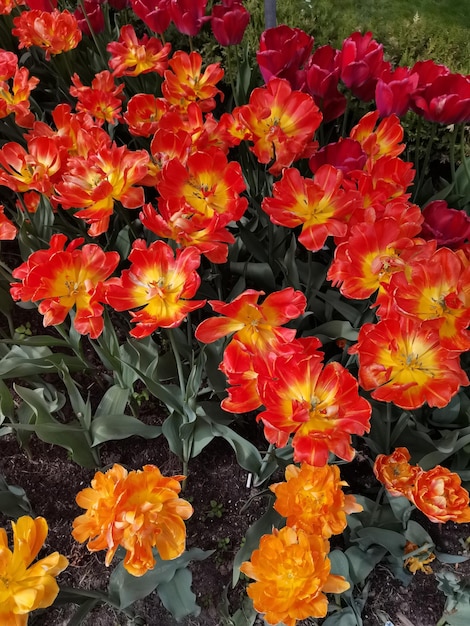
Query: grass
[[410, 31]]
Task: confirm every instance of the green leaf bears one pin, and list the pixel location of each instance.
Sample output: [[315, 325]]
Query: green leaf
[[247, 454], [336, 329], [177, 596], [393, 541], [170, 395], [7, 407], [120, 426], [113, 402], [362, 562], [125, 589], [82, 612], [260, 274], [13, 500], [70, 436], [345, 617], [263, 526]]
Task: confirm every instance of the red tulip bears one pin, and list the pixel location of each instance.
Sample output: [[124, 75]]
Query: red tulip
[[94, 14], [229, 21], [449, 227], [362, 64], [446, 100], [188, 15], [321, 78], [154, 13], [282, 53], [394, 91]]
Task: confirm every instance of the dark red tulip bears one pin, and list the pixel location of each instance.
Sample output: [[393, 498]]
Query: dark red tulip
[[346, 155], [229, 21], [95, 17], [362, 64], [446, 100], [154, 13], [189, 15], [394, 91], [321, 82], [283, 51], [449, 227]]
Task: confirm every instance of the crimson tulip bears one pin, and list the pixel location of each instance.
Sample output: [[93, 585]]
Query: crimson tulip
[[394, 91], [449, 227], [446, 100], [282, 53], [188, 15], [154, 13], [362, 64], [321, 82], [229, 21]]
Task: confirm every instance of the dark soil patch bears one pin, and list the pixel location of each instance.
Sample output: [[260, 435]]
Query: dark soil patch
[[51, 482]]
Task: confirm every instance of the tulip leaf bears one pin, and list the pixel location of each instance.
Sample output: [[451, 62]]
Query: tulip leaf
[[344, 617], [114, 401], [125, 589], [177, 596], [248, 455], [362, 562], [121, 426], [393, 541], [70, 436], [13, 500]]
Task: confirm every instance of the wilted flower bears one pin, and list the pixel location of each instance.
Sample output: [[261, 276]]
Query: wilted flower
[[292, 574], [138, 510], [418, 562], [26, 586]]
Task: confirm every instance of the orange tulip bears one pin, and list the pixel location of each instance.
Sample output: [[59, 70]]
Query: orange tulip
[[292, 574], [395, 473], [131, 56], [438, 493], [138, 510], [312, 499]]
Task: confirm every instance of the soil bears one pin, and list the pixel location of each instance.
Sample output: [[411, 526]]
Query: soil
[[51, 481]]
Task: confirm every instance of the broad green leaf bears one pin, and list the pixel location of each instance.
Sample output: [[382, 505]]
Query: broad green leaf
[[82, 612], [125, 589], [13, 500], [170, 395], [7, 407], [171, 431], [263, 526], [260, 274], [113, 402], [393, 541], [176, 595], [445, 450], [362, 562], [27, 361], [336, 329], [70, 436], [248, 455], [345, 617], [120, 426], [81, 408]]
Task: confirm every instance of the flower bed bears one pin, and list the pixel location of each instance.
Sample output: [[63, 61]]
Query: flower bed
[[252, 261]]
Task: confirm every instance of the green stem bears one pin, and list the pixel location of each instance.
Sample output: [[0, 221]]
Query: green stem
[[388, 431], [453, 139], [231, 75], [187, 443], [81, 4], [463, 157], [425, 163]]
